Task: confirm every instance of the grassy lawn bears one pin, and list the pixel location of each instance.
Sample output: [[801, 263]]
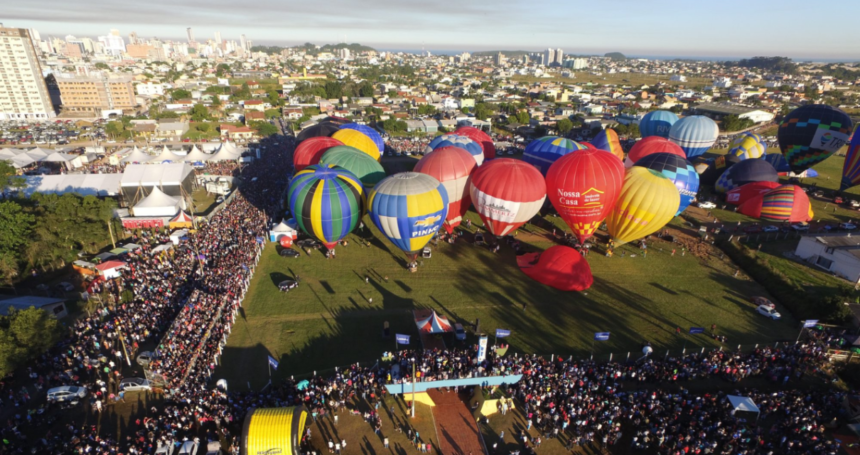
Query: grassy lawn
[[815, 281], [203, 201], [336, 318]]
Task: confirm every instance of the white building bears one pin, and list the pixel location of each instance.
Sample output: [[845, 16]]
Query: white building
[[113, 43], [23, 92], [838, 253], [149, 89], [723, 82], [679, 78]]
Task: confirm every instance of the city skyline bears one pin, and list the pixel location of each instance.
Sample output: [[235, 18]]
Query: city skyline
[[670, 28]]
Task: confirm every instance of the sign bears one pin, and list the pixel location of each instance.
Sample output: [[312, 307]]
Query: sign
[[401, 339], [273, 363], [695, 330], [501, 333], [810, 323], [482, 348], [601, 336]]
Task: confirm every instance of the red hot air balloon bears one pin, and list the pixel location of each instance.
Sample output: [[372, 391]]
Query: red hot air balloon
[[506, 194], [451, 166], [561, 267], [310, 151], [651, 145], [746, 192], [785, 203], [480, 137], [583, 187]]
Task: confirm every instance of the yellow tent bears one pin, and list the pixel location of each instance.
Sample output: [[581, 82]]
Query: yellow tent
[[273, 431]]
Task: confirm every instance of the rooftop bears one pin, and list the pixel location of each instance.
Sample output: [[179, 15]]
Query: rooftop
[[726, 109]]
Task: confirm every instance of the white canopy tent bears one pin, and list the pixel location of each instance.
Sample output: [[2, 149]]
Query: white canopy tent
[[282, 230], [83, 184], [166, 155], [743, 404], [136, 156], [157, 204], [196, 155]]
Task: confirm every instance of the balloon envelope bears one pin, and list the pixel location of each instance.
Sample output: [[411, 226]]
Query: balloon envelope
[[783, 203], [716, 167], [541, 153], [608, 140], [651, 145], [369, 132], [583, 187], [777, 160], [452, 166], [327, 202], [695, 134], [657, 123], [809, 134], [506, 194], [359, 140], [679, 171], [746, 192], [367, 169], [647, 202], [747, 147], [408, 208], [310, 151], [321, 129], [747, 171], [851, 167], [480, 137], [561, 267], [463, 142]]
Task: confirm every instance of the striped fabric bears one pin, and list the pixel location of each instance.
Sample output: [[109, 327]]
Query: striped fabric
[[778, 204], [409, 208], [326, 201]]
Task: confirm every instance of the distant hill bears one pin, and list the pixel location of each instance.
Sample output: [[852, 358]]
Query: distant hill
[[615, 55], [507, 53], [312, 49], [777, 64]]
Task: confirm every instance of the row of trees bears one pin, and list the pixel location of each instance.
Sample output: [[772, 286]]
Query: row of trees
[[25, 335]]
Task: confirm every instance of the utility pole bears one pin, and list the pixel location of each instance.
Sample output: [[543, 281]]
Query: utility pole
[[413, 388]]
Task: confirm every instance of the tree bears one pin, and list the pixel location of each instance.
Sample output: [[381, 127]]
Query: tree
[[102, 66], [221, 69], [114, 129], [15, 227], [9, 177], [564, 126], [180, 94], [482, 111], [523, 117], [365, 89], [24, 335], [264, 129], [272, 113], [426, 109], [735, 123], [199, 113]]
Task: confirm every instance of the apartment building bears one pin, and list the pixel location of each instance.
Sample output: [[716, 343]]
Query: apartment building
[[23, 92], [96, 92]]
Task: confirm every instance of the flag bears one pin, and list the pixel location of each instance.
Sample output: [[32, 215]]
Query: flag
[[501, 333], [809, 323], [401, 339], [695, 330], [202, 257], [601, 336], [273, 363]]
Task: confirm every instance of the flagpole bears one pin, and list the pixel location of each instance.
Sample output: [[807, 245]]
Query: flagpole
[[413, 388]]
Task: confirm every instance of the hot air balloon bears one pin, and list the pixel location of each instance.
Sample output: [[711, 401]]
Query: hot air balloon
[[695, 134], [746, 192], [583, 187], [747, 171], [783, 203], [679, 171], [480, 137], [452, 166], [367, 169], [716, 167], [408, 208], [747, 147], [327, 202], [541, 153], [608, 140], [359, 140], [777, 160], [310, 151], [810, 134], [321, 129], [657, 123], [369, 132], [651, 145], [851, 168], [560, 266], [506, 194], [742, 136], [463, 142], [647, 202]]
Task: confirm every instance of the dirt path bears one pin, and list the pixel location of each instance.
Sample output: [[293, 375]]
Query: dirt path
[[457, 430]]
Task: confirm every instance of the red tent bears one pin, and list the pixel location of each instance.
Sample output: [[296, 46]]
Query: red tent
[[561, 267], [430, 322]]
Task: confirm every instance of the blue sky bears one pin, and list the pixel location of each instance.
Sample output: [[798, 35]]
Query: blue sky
[[730, 28]]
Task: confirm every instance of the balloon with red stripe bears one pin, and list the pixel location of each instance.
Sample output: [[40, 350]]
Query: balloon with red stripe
[[507, 193], [451, 166]]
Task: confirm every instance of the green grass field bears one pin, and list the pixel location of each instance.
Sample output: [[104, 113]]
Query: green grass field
[[335, 318]]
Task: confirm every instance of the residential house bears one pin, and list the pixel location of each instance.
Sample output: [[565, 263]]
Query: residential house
[[254, 116], [171, 130], [236, 133], [837, 253]]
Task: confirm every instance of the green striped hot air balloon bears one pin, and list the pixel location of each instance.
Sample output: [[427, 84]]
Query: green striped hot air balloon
[[367, 169], [327, 202]]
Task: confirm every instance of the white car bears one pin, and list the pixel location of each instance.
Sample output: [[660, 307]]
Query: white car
[[144, 358], [800, 227], [459, 331], [134, 385], [847, 226], [769, 311], [66, 393], [769, 229], [708, 205]]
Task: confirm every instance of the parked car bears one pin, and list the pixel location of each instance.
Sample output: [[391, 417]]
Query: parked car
[[66, 394], [854, 203], [707, 205], [144, 358], [459, 331], [770, 229], [134, 385], [800, 227], [769, 311], [286, 285], [847, 226], [837, 200], [65, 286], [289, 253], [753, 229]]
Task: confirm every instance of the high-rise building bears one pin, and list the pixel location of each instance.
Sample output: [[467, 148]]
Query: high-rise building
[[132, 38], [96, 92], [242, 42], [559, 56], [500, 59], [190, 34], [23, 92], [113, 43], [549, 57], [218, 39]]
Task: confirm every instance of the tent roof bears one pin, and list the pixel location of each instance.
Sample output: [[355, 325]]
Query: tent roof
[[745, 404], [137, 156], [83, 184], [157, 198], [22, 160], [39, 152], [107, 265], [283, 227], [226, 155], [59, 157], [155, 174], [432, 322], [196, 155], [167, 155], [181, 217]]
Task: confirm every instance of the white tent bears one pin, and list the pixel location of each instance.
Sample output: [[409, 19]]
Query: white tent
[[743, 404], [136, 156], [166, 155], [155, 174], [157, 204], [196, 155], [39, 153], [83, 184], [282, 230], [21, 161]]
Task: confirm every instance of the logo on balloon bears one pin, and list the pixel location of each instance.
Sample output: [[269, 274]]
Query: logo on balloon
[[429, 221], [826, 137]]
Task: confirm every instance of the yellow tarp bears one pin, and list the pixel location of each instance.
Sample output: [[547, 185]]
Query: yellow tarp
[[420, 397]]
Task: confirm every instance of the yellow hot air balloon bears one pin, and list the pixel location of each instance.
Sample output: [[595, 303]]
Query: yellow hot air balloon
[[648, 201], [359, 140]]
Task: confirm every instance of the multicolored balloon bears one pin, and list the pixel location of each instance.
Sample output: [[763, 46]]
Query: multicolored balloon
[[583, 187], [541, 153], [809, 134], [367, 169], [851, 167], [777, 160], [695, 134], [324, 128], [408, 208], [679, 171], [647, 202], [747, 171], [747, 147], [359, 140], [452, 166], [651, 145], [716, 167], [480, 137], [657, 123], [463, 142], [369, 132], [326, 201], [746, 192], [309, 151], [785, 203], [608, 140], [506, 194]]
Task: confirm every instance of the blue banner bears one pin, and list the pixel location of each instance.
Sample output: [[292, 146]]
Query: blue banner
[[260, 240], [501, 333], [810, 323], [401, 339], [695, 330], [601, 336], [273, 362]]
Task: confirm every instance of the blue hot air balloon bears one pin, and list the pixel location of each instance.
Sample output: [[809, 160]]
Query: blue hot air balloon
[[657, 123], [777, 161], [541, 153], [369, 132], [327, 201], [851, 168], [809, 134], [447, 140], [695, 134], [679, 171], [747, 171]]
